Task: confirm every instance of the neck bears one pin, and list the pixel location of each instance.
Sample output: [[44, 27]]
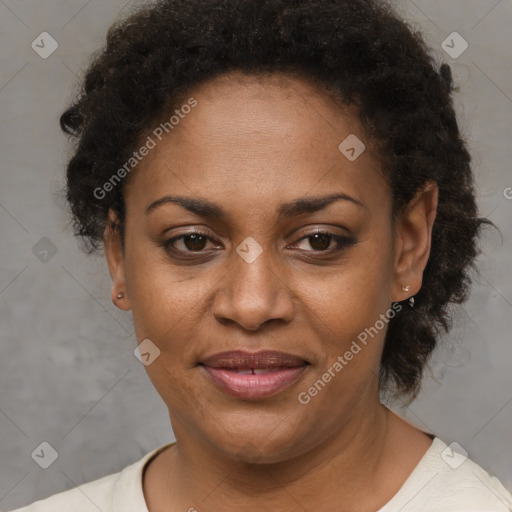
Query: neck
[[342, 466]]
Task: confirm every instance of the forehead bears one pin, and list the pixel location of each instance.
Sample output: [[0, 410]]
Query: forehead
[[276, 108], [249, 133]]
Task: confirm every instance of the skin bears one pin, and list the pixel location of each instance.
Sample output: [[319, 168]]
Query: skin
[[250, 145]]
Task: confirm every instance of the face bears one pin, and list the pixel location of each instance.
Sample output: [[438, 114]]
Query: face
[[260, 270]]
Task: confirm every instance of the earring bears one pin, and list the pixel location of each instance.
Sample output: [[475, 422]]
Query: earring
[[411, 299], [119, 296]]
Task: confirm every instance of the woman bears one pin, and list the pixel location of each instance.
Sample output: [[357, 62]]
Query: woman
[[287, 208]]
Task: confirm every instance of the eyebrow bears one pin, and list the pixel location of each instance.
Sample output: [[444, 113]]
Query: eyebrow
[[211, 210]]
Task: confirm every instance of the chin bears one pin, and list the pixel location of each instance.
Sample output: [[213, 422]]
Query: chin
[[259, 447]]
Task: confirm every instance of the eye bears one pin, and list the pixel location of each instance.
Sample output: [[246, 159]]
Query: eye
[[194, 241], [321, 241]]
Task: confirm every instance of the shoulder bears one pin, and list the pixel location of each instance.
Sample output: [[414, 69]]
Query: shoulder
[[85, 498], [446, 480], [108, 494], [468, 485]]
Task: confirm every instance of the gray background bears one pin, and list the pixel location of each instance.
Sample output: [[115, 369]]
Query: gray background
[[68, 374]]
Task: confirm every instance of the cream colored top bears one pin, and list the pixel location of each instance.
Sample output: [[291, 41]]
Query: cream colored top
[[441, 482]]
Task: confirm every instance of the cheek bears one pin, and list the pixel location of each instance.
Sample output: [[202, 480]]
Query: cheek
[[159, 296], [166, 309], [346, 306], [169, 307]]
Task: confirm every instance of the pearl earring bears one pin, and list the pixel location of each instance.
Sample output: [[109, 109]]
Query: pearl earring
[[406, 288], [120, 295]]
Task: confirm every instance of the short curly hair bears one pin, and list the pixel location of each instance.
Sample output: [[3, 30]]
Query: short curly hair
[[359, 49]]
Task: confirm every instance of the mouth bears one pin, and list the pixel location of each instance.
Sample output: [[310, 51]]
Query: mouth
[[254, 375]]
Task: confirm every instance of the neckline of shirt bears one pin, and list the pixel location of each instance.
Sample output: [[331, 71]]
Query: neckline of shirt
[[130, 498]]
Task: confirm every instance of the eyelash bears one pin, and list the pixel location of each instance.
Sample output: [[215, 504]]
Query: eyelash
[[341, 240]]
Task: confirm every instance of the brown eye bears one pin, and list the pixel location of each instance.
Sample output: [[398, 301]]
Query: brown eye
[[187, 243], [320, 241], [194, 242]]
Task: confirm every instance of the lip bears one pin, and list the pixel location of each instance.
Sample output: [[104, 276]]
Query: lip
[[275, 371]]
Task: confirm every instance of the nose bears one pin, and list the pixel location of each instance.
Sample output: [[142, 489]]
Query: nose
[[253, 294]]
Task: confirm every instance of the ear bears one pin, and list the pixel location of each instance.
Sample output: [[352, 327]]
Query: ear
[[413, 236], [115, 258]]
